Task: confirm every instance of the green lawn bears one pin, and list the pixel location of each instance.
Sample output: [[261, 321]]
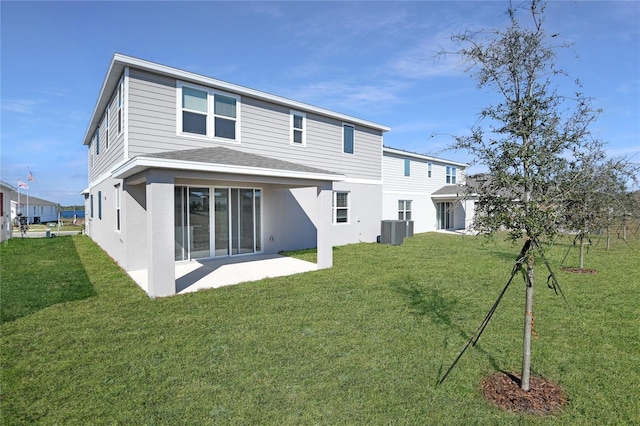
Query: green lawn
[[364, 342]]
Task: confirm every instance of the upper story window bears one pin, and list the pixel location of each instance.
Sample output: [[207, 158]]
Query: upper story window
[[340, 207], [208, 113], [194, 111], [298, 128], [428, 170], [120, 108], [451, 175], [106, 129], [404, 209], [407, 167], [224, 116], [98, 140], [348, 135]]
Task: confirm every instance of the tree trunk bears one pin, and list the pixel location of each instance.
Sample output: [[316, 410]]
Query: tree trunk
[[581, 265], [528, 326], [608, 237]]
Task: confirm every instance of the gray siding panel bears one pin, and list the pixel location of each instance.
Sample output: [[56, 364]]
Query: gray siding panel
[[111, 143], [264, 130]]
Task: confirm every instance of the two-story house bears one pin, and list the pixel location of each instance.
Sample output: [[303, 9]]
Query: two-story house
[[183, 167], [427, 190]]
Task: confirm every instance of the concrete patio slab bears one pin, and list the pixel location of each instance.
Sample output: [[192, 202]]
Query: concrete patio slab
[[199, 275]]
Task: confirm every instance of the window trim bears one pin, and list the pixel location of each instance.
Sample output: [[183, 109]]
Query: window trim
[[451, 173], [100, 205], [353, 141], [118, 207], [106, 124], [293, 129], [119, 109], [402, 212], [210, 115], [98, 140], [335, 208]]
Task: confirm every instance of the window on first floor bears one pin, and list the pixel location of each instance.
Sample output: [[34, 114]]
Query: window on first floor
[[451, 175], [404, 209], [100, 205], [340, 207], [117, 199], [91, 205]]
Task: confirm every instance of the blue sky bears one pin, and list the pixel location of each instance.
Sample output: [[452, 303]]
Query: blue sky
[[372, 60]]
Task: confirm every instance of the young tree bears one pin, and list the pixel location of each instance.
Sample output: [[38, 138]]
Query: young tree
[[531, 135], [595, 196]]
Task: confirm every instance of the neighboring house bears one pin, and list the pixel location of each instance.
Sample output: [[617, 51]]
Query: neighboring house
[[36, 209], [429, 191], [183, 166], [6, 229]]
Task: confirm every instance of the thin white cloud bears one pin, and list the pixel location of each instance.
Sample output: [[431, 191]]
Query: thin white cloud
[[20, 106], [347, 96]]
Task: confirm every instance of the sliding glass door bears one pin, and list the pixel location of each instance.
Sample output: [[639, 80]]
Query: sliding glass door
[[245, 217], [192, 223], [444, 215], [234, 228]]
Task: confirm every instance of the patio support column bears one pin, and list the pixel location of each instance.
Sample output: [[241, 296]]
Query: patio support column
[[160, 234], [323, 227]]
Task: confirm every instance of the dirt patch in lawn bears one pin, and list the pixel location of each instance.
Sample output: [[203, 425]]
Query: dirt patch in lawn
[[544, 397], [579, 270]]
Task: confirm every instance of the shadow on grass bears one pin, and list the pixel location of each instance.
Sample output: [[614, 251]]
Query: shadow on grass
[[438, 309], [38, 273]]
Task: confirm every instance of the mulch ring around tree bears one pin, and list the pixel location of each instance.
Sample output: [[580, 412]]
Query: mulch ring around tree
[[544, 397], [579, 270]]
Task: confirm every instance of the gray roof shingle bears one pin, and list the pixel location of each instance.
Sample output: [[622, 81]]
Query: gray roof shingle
[[232, 157]]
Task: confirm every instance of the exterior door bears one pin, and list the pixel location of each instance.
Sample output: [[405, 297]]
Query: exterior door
[[444, 215], [192, 223], [234, 228]]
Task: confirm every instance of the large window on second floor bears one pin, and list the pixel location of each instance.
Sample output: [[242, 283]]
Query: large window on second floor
[[451, 175], [208, 113], [194, 111]]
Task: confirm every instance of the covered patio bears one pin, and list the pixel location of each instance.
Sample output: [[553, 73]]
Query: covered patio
[[188, 226], [198, 275]]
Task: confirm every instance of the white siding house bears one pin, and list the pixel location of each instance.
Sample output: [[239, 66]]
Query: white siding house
[[427, 190], [184, 167], [36, 209], [6, 230]]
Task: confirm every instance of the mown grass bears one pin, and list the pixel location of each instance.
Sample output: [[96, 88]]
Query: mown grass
[[364, 342]]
